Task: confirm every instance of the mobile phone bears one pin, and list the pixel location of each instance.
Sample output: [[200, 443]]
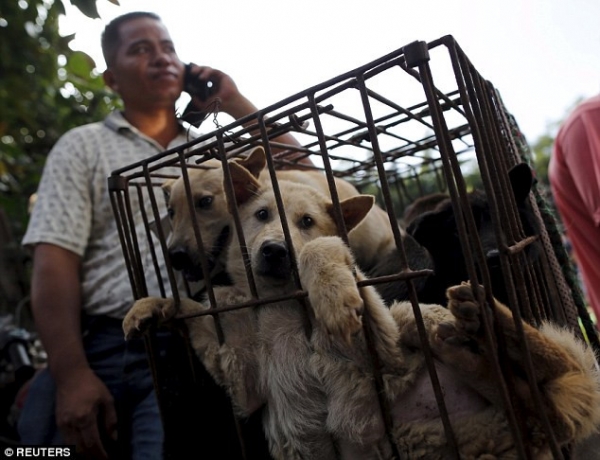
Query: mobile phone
[[195, 86]]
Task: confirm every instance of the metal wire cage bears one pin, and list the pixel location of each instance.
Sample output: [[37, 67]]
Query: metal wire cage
[[416, 121]]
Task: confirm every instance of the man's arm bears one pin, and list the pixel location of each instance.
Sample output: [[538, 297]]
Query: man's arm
[[81, 396]]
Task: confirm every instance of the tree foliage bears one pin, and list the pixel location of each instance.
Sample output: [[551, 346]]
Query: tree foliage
[[47, 89]]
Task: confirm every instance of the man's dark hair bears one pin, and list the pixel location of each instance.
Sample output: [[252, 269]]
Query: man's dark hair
[[111, 38]]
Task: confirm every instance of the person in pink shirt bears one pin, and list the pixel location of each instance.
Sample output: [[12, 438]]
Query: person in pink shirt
[[574, 174]]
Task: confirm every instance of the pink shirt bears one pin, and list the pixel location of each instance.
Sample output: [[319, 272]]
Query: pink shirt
[[574, 174]]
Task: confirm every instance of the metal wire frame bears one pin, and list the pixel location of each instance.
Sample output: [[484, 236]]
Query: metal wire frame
[[381, 145]]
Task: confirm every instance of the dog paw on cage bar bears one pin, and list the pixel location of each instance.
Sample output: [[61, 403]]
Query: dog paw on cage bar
[[147, 312]]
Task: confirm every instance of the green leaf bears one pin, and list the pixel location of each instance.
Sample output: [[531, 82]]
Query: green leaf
[[68, 38], [80, 64], [60, 7], [87, 7]]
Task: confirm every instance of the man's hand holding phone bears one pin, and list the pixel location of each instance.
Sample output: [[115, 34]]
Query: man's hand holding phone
[[196, 86], [213, 90]]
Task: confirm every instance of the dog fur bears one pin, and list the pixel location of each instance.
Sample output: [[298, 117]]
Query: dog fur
[[317, 388], [210, 207], [421, 205]]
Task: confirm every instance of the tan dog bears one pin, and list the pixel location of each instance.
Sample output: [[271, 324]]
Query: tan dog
[[262, 343], [213, 219], [318, 389], [369, 240]]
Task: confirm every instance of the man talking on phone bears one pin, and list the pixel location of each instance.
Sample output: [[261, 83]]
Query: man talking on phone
[[97, 389]]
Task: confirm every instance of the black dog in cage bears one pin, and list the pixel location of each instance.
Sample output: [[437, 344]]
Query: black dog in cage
[[432, 242]]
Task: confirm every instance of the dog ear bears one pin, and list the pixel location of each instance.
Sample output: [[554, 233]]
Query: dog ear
[[423, 204], [255, 162], [521, 179], [429, 227], [245, 185], [354, 209], [167, 187]]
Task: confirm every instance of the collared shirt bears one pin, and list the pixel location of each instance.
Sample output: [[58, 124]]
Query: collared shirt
[[574, 174], [73, 208]]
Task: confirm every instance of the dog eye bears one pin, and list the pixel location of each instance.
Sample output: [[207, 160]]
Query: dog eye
[[171, 212], [204, 202], [306, 222], [262, 214]]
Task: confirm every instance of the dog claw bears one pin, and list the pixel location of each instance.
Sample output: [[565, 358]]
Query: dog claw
[[144, 312], [464, 331]]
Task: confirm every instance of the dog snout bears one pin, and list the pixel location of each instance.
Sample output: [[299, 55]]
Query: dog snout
[[274, 251], [275, 261], [180, 258], [189, 263]]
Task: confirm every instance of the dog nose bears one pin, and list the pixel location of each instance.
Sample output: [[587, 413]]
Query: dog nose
[[274, 260], [179, 258], [274, 251]]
